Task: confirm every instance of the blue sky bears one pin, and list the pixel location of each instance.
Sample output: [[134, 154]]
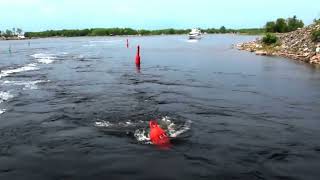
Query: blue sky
[[38, 15]]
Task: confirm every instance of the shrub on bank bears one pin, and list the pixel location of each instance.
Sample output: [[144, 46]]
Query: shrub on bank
[[282, 25], [269, 39], [316, 36]]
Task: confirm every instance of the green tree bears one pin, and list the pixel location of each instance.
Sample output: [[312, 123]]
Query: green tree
[[212, 31], [269, 39], [294, 23], [8, 33], [316, 36], [281, 25], [19, 31], [223, 29], [144, 32], [270, 26], [84, 32], [99, 32]]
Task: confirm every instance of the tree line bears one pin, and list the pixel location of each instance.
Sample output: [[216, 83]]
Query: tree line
[[103, 32], [130, 31], [282, 25], [11, 32], [223, 30]]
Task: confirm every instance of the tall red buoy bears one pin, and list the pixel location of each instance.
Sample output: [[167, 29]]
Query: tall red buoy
[[138, 56]]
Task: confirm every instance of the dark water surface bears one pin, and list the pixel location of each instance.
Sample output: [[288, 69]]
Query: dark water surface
[[78, 108]]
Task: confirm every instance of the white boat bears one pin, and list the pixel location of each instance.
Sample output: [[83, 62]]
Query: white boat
[[195, 34], [21, 36]]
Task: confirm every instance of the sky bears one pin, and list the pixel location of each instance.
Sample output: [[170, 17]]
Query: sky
[[39, 15]]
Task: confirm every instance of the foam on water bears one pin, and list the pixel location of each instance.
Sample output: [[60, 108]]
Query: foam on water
[[172, 129], [4, 96], [28, 67], [103, 124], [175, 133], [105, 41], [26, 84], [44, 58], [192, 41], [88, 45], [120, 124], [142, 134]]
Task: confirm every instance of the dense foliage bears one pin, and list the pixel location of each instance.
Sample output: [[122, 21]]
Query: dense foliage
[[284, 25], [280, 25], [104, 32], [241, 31], [10, 33], [316, 36], [269, 39], [252, 31], [129, 31]]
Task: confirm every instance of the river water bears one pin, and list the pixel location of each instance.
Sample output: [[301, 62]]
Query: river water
[[78, 108]]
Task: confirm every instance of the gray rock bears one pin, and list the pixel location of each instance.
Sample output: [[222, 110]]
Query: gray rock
[[297, 45]]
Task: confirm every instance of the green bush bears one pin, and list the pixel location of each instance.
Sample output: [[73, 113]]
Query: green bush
[[270, 39], [284, 25], [316, 36]]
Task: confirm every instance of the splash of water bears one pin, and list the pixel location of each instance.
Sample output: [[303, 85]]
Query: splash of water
[[172, 129], [28, 67], [103, 124], [142, 134], [44, 58], [27, 84], [4, 96]]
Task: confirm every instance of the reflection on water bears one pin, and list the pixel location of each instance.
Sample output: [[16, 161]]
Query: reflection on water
[[78, 108], [138, 68]]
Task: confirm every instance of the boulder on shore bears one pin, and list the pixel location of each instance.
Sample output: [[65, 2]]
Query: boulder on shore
[[315, 59], [296, 45], [261, 53]]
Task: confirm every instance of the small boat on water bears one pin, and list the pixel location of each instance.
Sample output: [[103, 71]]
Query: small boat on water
[[195, 34]]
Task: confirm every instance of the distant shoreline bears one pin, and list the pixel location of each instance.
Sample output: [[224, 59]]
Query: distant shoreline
[[31, 38], [12, 38], [134, 32]]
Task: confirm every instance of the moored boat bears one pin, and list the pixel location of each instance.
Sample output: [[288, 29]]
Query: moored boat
[[195, 34]]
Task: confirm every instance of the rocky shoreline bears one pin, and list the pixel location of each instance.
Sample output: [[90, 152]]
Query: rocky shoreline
[[297, 45]]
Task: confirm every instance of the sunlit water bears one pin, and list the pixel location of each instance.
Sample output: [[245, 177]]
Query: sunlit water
[[78, 108]]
